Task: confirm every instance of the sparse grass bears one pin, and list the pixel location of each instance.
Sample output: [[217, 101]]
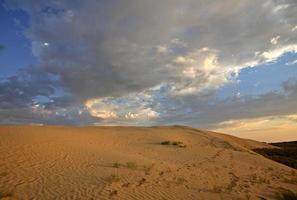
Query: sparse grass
[[5, 194], [174, 143], [287, 195], [248, 196], [131, 165], [112, 178], [148, 168], [264, 180], [217, 189], [116, 165], [290, 180], [270, 169], [258, 179], [167, 142], [181, 180]]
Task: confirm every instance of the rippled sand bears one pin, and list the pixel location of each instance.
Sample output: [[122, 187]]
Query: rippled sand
[[126, 163]]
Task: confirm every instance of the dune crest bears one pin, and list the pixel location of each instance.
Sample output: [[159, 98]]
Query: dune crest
[[44, 162]]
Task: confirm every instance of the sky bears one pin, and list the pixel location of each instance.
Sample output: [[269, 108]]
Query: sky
[[222, 65]]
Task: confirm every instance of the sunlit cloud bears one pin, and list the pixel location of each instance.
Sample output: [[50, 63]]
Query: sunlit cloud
[[133, 109], [271, 128], [274, 40]]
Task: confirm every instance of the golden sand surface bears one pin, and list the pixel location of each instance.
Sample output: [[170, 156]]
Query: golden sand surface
[[129, 163]]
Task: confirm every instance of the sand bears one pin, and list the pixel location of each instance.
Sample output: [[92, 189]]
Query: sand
[[44, 162]]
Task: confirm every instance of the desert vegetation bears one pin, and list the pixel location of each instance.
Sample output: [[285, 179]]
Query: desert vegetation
[[112, 178], [285, 154], [173, 143], [5, 195], [286, 195], [129, 165]]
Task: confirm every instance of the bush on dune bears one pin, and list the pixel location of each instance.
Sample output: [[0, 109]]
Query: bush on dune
[[174, 143]]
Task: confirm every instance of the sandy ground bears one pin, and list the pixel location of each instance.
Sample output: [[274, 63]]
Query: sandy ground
[[129, 163]]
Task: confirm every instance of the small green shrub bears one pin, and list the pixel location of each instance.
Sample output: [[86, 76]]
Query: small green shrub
[[165, 142]]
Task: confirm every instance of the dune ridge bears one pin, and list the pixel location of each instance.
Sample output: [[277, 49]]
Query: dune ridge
[[46, 162]]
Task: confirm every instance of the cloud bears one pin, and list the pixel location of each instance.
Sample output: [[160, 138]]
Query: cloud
[[105, 54], [208, 111], [130, 109], [268, 129], [273, 54], [292, 62], [292, 118], [274, 40]]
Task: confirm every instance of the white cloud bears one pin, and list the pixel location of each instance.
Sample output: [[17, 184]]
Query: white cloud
[[162, 49], [274, 40], [40, 109], [142, 114], [178, 42], [292, 62], [280, 7], [276, 53], [199, 71]]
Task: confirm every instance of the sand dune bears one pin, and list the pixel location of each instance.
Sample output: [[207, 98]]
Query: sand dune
[[43, 162]]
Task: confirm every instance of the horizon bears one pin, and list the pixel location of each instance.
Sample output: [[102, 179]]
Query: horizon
[[156, 126], [224, 66]]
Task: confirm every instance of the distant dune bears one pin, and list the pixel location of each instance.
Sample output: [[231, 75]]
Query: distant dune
[[128, 163]]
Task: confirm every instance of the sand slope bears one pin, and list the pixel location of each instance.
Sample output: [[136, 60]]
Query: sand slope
[[129, 163]]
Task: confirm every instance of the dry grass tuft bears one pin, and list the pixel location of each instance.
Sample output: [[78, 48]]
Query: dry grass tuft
[[174, 143], [131, 165], [112, 178], [116, 165]]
